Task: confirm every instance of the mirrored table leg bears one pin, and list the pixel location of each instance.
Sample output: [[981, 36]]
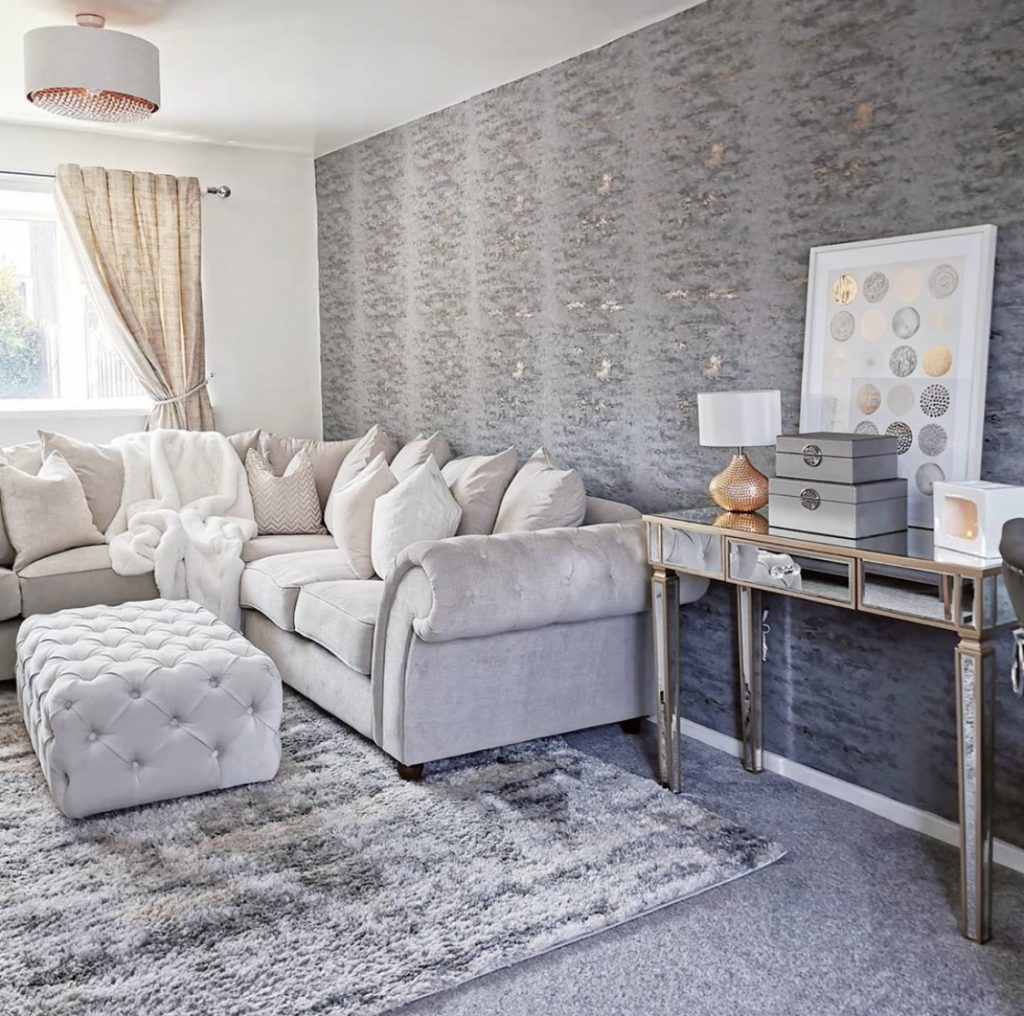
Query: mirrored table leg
[[665, 618], [975, 686], [751, 642]]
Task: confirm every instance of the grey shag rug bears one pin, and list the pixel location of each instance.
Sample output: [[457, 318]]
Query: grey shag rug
[[336, 888]]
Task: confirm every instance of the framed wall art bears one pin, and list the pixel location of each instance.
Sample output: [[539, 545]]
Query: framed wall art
[[896, 342]]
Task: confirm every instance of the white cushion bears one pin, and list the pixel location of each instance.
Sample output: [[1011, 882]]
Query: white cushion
[[145, 702], [420, 508], [351, 514], [417, 451], [478, 483], [29, 459], [287, 503], [341, 616], [365, 450], [541, 496], [271, 585], [47, 513]]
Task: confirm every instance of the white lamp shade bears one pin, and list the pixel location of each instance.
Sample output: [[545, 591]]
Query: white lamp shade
[[98, 62], [739, 419]]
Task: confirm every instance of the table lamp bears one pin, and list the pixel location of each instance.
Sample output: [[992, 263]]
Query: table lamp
[[739, 420]]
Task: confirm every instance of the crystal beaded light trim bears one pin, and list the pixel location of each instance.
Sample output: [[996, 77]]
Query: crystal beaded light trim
[[82, 104]]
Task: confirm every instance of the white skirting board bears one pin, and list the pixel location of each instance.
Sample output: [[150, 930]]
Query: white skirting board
[[902, 814]]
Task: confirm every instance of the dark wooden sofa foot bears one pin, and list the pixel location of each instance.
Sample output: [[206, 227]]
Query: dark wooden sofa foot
[[411, 773], [633, 726]]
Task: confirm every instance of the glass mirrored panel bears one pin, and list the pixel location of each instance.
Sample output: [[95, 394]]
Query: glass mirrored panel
[[693, 550], [818, 577], [986, 600], [909, 592]]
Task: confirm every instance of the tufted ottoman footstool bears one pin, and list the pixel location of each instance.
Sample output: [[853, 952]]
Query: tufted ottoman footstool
[[144, 702]]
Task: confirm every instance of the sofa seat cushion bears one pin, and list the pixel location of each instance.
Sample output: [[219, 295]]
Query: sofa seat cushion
[[271, 585], [81, 577], [270, 546], [340, 616], [10, 595]]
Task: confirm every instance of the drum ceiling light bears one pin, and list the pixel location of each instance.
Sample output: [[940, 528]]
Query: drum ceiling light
[[89, 72]]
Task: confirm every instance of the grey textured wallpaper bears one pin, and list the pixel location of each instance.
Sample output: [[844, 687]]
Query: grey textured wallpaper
[[569, 259]]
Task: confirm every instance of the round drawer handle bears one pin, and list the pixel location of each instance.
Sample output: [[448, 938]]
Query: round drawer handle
[[810, 499], [812, 455]]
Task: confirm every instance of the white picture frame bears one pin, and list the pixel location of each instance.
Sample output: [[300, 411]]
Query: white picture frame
[[896, 341]]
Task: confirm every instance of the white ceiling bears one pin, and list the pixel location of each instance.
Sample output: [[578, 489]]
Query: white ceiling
[[310, 76]]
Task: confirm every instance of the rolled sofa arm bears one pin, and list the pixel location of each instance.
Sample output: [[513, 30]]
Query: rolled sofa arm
[[484, 585]]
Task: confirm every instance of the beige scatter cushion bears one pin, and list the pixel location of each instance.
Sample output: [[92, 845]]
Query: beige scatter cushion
[[29, 459], [417, 451], [420, 508], [326, 456], [541, 496], [478, 483], [350, 519], [46, 513], [364, 451], [243, 441], [99, 467], [287, 503]]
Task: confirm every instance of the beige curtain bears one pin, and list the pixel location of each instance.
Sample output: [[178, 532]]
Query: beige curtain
[[138, 240]]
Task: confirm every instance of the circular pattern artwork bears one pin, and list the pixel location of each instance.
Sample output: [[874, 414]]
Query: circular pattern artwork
[[943, 281], [909, 284], [903, 434], [905, 322], [842, 326], [844, 290], [876, 285], [937, 361], [873, 324], [865, 427], [935, 400], [903, 361], [932, 440], [900, 399], [869, 398], [927, 476]]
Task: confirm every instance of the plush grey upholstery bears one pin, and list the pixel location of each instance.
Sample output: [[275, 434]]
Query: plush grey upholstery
[[145, 702], [341, 617], [79, 578], [269, 546], [601, 510], [271, 585], [10, 594]]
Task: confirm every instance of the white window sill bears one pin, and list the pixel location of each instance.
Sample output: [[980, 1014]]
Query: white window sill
[[62, 407]]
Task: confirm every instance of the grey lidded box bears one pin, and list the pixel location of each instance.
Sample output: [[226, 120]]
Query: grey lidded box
[[836, 458], [848, 510]]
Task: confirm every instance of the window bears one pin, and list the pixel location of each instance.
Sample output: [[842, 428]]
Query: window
[[53, 346]]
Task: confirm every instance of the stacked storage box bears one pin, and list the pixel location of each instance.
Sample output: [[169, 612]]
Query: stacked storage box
[[840, 489]]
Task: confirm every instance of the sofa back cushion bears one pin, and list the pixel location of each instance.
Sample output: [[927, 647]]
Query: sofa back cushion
[[420, 508], [542, 496], [326, 457], [417, 451], [243, 441], [100, 468], [478, 483], [350, 517], [29, 459], [365, 449], [46, 513], [286, 503]]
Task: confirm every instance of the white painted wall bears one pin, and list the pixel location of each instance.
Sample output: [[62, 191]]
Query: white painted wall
[[260, 286]]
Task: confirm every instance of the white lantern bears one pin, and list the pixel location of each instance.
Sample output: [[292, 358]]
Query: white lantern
[[970, 515]]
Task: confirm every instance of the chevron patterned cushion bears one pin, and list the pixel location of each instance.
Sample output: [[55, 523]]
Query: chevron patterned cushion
[[286, 503]]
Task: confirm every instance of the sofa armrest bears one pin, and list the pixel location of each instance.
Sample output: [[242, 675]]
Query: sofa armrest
[[483, 585]]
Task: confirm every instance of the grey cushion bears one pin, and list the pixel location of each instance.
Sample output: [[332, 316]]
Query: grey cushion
[[478, 483], [541, 496], [326, 456], [415, 452], [363, 452], [271, 546], [10, 595], [271, 585], [79, 578], [99, 467], [340, 616]]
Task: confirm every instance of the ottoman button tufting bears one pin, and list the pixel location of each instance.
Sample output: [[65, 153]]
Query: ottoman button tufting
[[174, 721], [92, 735]]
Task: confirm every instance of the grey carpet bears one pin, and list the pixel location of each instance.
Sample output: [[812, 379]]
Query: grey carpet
[[335, 888], [859, 919]]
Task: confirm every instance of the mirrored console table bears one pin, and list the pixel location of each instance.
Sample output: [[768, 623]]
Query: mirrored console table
[[900, 576]]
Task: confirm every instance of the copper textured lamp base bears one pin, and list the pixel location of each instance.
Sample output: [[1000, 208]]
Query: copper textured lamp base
[[740, 487]]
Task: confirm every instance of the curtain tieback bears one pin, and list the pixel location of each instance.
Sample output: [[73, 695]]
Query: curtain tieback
[[185, 394]]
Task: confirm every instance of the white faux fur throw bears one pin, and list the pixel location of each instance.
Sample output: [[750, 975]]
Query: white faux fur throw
[[185, 514]]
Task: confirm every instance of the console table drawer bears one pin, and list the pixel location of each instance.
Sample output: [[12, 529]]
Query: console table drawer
[[689, 550], [811, 576], [915, 594]]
